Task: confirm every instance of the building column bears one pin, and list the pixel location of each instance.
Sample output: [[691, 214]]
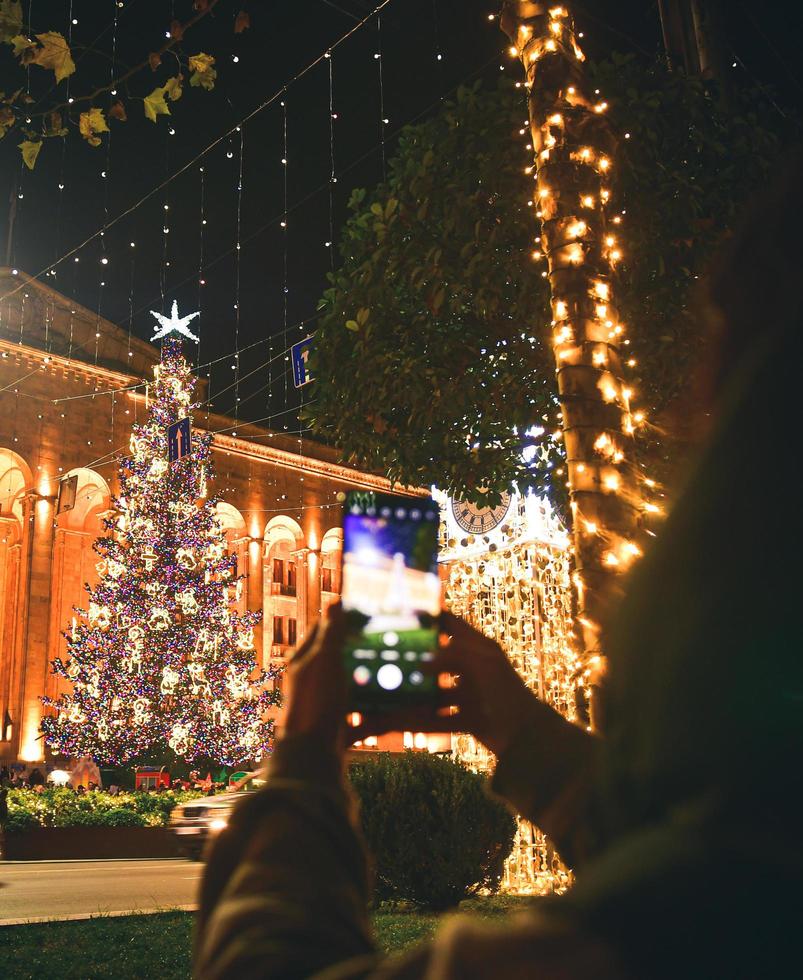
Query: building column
[[313, 587], [255, 596], [302, 592], [10, 622], [35, 659]]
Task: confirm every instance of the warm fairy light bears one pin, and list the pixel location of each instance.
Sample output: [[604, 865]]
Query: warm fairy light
[[608, 392], [603, 443], [650, 483], [543, 193], [520, 594], [580, 136], [652, 508], [555, 12], [162, 654], [575, 254], [513, 51]]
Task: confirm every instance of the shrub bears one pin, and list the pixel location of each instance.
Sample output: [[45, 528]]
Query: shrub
[[435, 834], [19, 820], [120, 817], [61, 807]]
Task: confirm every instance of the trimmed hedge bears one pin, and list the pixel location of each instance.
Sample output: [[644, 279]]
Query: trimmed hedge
[[60, 807], [436, 835]]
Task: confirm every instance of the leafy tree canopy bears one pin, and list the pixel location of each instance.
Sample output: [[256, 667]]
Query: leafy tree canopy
[[434, 337]]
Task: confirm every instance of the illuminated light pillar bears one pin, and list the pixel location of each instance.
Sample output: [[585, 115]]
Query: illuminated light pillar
[[313, 587], [255, 594], [35, 660], [579, 243], [302, 592]]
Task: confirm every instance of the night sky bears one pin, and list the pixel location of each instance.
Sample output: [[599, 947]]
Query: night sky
[[283, 39]]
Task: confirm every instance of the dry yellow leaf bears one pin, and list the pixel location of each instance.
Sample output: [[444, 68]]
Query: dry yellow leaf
[[55, 54], [91, 123], [30, 151]]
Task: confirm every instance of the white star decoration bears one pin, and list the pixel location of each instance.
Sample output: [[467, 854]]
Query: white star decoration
[[174, 322]]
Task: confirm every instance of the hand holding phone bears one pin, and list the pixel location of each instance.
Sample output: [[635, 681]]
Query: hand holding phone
[[391, 596]]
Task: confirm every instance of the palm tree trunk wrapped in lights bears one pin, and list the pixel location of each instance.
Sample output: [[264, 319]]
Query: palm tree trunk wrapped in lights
[[578, 241]]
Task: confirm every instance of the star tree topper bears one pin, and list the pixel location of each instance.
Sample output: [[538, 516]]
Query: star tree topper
[[174, 323]]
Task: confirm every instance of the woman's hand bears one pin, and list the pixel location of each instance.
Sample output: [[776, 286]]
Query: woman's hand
[[316, 699]]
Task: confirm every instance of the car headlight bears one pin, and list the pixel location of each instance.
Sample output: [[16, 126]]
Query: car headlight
[[217, 824]]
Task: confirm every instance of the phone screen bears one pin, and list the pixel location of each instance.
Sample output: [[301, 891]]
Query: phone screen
[[392, 593]]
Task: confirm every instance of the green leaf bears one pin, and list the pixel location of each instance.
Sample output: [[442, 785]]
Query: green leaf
[[352, 325], [30, 151]]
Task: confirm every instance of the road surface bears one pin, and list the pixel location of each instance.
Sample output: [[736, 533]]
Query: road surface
[[40, 890]]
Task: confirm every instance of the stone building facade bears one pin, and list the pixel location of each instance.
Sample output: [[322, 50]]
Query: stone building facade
[[66, 409]]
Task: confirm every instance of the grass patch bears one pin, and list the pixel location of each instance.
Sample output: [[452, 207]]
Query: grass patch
[[126, 947], [135, 946]]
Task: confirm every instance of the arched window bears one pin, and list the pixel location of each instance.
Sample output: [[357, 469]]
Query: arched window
[[284, 588], [233, 524], [331, 557], [83, 497]]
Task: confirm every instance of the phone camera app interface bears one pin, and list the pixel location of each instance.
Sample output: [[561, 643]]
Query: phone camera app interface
[[390, 578]]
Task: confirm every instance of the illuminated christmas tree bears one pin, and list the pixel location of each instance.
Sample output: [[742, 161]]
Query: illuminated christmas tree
[[161, 658]]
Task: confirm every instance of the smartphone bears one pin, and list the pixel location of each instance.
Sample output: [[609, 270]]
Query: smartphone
[[391, 594]]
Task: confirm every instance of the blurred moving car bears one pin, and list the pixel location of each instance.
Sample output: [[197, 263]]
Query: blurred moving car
[[195, 821]]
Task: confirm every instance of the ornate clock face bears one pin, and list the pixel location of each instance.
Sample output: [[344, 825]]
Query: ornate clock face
[[480, 520]]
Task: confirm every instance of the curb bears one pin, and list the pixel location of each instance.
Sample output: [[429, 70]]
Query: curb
[[79, 916]]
